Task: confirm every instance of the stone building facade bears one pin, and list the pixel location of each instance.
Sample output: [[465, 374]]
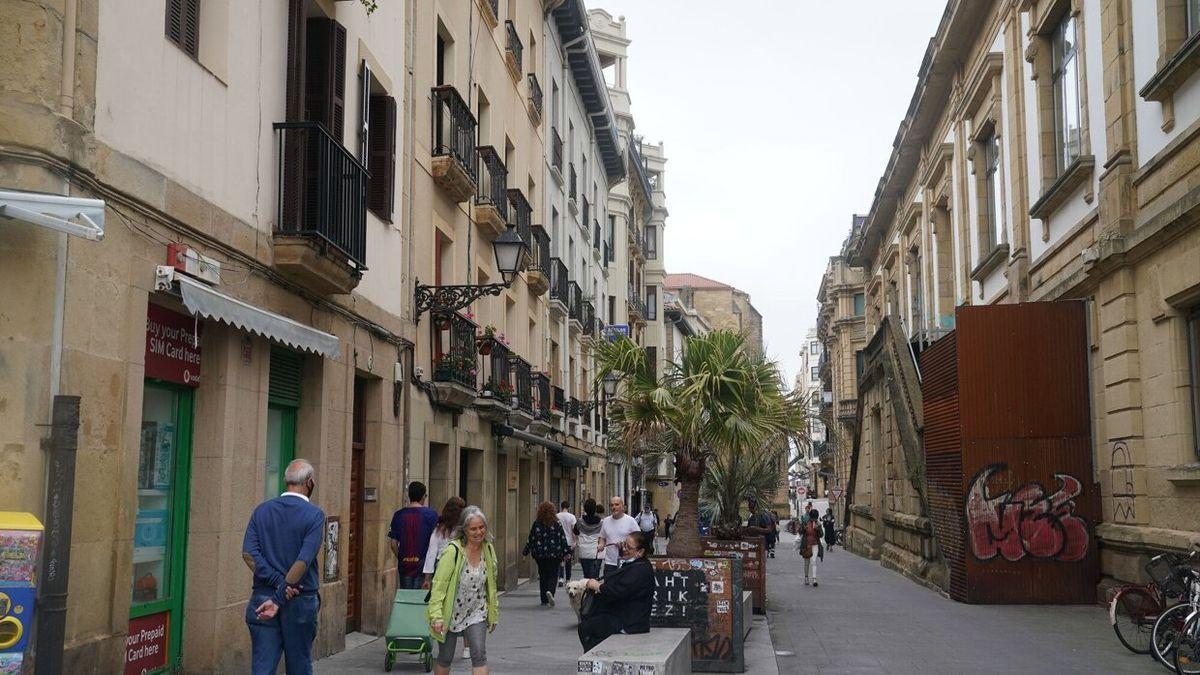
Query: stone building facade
[[1048, 153], [282, 194], [722, 306]]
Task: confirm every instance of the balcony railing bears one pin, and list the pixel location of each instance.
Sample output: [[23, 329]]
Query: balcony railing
[[573, 409], [540, 251], [556, 149], [322, 191], [571, 194], [495, 5], [607, 254], [637, 243], [638, 161], [636, 304], [596, 234], [454, 128], [541, 389], [560, 400], [575, 302], [521, 214], [493, 180], [535, 93], [455, 361], [498, 383], [560, 281], [523, 377], [587, 214], [588, 318], [514, 45]]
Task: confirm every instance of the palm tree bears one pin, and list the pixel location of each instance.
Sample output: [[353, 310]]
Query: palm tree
[[719, 400]]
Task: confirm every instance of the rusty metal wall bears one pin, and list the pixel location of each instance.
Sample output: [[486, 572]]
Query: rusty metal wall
[[1029, 502], [943, 457]]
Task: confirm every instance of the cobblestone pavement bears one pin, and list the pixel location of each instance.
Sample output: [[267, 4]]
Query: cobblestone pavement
[[864, 618]]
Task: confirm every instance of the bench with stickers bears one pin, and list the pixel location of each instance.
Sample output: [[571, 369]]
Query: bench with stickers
[[662, 651]]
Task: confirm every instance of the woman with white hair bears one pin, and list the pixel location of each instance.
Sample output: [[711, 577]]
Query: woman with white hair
[[463, 600]]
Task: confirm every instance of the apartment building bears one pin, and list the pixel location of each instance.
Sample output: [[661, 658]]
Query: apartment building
[[321, 231], [806, 461], [722, 306], [1033, 229]]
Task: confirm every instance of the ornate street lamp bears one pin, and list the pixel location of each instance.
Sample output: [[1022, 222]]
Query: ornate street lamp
[[610, 382], [509, 248]]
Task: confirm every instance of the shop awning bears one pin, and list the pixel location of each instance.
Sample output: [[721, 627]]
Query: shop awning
[[209, 303], [564, 455]]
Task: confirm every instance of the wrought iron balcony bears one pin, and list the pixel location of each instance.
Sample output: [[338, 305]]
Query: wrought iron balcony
[[637, 243], [559, 399], [596, 234], [498, 384], [637, 306], [535, 97], [556, 150], [607, 254], [453, 144], [491, 11], [588, 318], [323, 205], [571, 179], [523, 377], [455, 358], [513, 49], [587, 214], [520, 216], [640, 167], [491, 200], [541, 390], [560, 281], [538, 278], [573, 409], [575, 302]]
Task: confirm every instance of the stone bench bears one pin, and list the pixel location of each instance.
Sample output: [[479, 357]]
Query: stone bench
[[662, 651]]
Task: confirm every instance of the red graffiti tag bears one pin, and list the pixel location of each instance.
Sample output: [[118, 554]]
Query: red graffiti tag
[[1026, 521]]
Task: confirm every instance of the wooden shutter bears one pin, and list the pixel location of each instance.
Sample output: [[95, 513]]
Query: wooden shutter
[[325, 75], [364, 113], [381, 161], [183, 25], [287, 369], [296, 51]]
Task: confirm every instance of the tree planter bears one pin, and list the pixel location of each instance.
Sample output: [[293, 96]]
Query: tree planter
[[704, 595], [752, 551]]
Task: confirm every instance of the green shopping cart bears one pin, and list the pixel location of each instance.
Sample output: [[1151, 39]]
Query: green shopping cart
[[408, 630]]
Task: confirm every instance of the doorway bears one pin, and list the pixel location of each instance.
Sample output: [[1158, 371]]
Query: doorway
[[354, 542]]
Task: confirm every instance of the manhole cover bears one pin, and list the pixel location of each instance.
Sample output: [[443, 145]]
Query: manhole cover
[[784, 653]]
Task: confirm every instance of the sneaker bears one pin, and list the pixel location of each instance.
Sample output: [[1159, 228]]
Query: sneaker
[[814, 584], [466, 652], [549, 598], [806, 583]]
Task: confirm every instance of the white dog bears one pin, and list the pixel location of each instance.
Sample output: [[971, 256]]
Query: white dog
[[575, 591]]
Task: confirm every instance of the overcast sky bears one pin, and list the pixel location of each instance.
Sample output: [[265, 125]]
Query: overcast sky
[[777, 118]]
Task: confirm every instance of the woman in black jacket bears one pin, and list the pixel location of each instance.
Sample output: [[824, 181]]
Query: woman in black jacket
[[548, 544], [623, 599]]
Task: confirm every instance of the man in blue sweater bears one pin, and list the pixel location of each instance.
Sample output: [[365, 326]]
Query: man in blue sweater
[[280, 548]]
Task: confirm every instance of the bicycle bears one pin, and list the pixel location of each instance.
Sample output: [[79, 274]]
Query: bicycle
[[1134, 608], [1187, 641], [1170, 625]]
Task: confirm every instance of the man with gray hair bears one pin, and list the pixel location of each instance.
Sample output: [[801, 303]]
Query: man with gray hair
[[280, 547]]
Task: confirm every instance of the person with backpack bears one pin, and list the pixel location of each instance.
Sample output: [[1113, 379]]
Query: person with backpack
[[587, 536], [808, 545], [548, 544]]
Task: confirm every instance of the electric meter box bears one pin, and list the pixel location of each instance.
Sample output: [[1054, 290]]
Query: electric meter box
[[20, 549]]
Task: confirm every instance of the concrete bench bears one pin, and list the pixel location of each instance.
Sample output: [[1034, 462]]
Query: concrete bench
[[662, 651], [747, 611]]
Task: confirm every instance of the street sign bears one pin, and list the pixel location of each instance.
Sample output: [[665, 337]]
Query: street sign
[[801, 491], [835, 493]]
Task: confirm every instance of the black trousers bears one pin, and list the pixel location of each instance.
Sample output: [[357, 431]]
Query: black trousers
[[547, 576], [596, 629]]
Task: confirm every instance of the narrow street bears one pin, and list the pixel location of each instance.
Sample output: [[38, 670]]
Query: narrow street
[[867, 619]]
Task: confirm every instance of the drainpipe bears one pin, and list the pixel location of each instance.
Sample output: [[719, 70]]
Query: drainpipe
[[66, 108], [409, 141]]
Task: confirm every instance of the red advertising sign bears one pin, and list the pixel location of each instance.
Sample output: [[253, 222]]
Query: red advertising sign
[[146, 644], [172, 346]]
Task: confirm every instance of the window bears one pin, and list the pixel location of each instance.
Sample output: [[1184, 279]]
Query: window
[[859, 365], [994, 211], [378, 144], [814, 348], [815, 373], [1193, 16], [860, 304], [1193, 343], [651, 242], [183, 25], [1065, 79], [652, 303]]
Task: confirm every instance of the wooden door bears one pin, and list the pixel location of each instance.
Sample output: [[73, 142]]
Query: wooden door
[[354, 541]]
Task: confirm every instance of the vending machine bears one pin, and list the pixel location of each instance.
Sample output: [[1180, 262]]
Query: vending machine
[[20, 545]]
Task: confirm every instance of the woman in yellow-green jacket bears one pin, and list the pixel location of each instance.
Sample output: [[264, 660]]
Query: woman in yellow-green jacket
[[463, 600]]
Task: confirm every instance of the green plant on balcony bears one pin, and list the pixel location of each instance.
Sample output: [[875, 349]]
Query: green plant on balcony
[[498, 389], [457, 367]]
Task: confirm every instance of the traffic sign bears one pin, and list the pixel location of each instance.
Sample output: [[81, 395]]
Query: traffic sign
[[801, 491], [835, 493]]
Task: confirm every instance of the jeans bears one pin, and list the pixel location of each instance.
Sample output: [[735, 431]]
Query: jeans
[[289, 635], [591, 567], [475, 636], [597, 628], [566, 569], [810, 564], [411, 583], [547, 576]]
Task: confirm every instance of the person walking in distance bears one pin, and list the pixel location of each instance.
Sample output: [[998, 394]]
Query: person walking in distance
[[808, 544], [624, 598], [280, 547], [548, 544], [587, 536], [613, 531], [409, 536], [646, 520], [463, 598], [443, 532], [567, 520], [827, 521]]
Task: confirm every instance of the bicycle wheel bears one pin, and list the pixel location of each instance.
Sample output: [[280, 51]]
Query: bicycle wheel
[[1132, 613], [1166, 631], [1187, 648]]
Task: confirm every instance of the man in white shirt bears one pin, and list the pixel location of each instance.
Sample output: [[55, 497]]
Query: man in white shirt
[[646, 520], [567, 520], [613, 530]]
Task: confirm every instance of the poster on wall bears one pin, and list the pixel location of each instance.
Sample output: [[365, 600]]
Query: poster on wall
[[172, 346], [146, 643], [332, 532]]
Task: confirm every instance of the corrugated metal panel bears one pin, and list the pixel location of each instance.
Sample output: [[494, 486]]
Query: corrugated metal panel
[[943, 457], [1029, 503]]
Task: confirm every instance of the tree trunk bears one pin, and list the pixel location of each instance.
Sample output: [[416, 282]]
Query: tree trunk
[[685, 538]]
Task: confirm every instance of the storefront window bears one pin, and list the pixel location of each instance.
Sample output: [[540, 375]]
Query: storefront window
[[161, 463]]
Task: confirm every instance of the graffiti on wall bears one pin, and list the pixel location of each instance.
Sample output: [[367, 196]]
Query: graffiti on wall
[[1026, 521], [1124, 493]]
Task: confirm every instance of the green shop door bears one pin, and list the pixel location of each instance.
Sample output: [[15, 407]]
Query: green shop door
[[160, 529], [283, 404]]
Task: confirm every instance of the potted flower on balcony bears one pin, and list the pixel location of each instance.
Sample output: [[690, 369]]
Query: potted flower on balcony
[[500, 390], [454, 367], [485, 339]]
